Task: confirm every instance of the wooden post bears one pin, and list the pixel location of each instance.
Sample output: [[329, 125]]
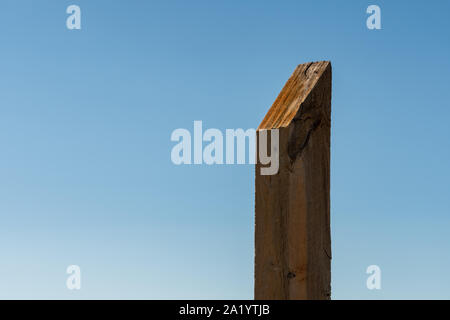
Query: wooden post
[[292, 207]]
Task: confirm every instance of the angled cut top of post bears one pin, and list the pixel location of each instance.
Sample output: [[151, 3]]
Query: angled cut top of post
[[293, 94]]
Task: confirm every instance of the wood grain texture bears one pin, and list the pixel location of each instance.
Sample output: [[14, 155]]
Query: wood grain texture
[[292, 208]]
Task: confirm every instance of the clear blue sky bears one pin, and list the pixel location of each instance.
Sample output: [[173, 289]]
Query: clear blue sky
[[85, 124]]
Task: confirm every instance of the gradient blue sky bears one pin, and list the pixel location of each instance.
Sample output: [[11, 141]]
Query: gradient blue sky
[[85, 124]]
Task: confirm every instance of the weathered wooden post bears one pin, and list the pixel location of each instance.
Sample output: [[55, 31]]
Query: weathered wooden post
[[292, 207]]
